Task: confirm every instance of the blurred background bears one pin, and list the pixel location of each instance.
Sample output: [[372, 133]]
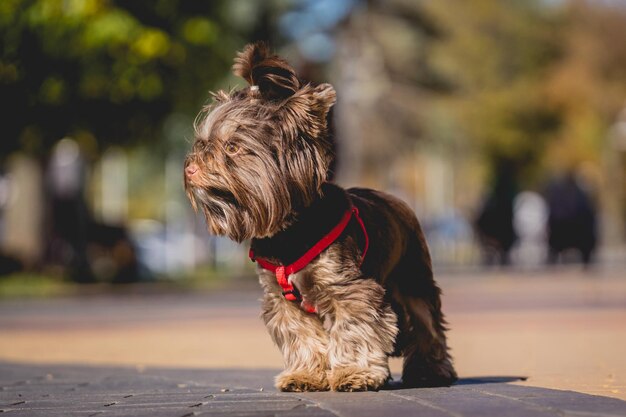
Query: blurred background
[[502, 123]]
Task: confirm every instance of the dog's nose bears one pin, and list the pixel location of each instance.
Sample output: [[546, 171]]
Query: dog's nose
[[191, 169]]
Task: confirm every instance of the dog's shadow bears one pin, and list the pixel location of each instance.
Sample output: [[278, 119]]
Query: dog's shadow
[[397, 383]]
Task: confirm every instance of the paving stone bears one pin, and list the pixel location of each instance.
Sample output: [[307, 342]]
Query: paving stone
[[472, 402], [567, 401], [370, 404], [51, 391]]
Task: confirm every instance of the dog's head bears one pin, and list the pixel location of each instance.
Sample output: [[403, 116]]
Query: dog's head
[[262, 152]]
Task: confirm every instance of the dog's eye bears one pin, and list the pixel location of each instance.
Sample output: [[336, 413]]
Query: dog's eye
[[231, 148]]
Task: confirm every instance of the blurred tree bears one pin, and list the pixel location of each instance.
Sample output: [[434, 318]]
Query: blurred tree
[[496, 55], [588, 88], [111, 70], [383, 78], [588, 84]]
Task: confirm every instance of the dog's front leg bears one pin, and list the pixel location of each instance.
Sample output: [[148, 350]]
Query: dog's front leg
[[300, 337], [362, 330]]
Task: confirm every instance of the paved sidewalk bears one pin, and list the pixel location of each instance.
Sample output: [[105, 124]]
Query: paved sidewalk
[[49, 391], [178, 354]]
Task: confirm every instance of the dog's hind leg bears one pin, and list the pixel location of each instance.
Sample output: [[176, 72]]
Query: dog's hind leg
[[427, 362]]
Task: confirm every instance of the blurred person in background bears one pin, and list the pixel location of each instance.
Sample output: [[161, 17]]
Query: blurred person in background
[[530, 219], [68, 214], [85, 249], [571, 219], [494, 224]]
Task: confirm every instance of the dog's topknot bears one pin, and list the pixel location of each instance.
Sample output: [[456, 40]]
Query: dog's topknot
[[275, 78]]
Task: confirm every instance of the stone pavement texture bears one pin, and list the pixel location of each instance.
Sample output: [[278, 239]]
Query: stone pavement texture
[[57, 390], [144, 353]]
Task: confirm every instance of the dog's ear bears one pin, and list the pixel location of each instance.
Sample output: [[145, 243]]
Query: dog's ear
[[307, 148], [275, 78], [308, 110], [323, 98]]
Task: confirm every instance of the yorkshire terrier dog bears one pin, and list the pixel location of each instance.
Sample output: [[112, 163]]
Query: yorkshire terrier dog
[[346, 274]]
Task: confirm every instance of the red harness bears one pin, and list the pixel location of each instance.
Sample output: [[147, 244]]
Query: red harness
[[282, 272]]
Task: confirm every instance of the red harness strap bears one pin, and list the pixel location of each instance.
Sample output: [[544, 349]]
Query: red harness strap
[[282, 272]]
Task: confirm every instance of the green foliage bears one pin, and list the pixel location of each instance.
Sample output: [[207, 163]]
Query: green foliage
[[496, 54], [25, 285], [114, 69], [588, 84], [534, 84]]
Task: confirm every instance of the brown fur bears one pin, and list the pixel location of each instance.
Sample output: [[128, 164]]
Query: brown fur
[[258, 170]]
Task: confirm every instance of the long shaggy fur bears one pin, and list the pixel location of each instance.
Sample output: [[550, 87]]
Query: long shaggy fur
[[258, 170]]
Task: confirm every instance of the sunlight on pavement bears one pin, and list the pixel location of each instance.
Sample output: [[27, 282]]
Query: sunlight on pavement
[[562, 331]]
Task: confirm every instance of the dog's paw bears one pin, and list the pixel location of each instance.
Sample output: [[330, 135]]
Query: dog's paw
[[352, 378], [435, 375], [301, 381]]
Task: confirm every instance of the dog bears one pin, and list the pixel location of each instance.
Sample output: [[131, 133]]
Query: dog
[[346, 274]]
